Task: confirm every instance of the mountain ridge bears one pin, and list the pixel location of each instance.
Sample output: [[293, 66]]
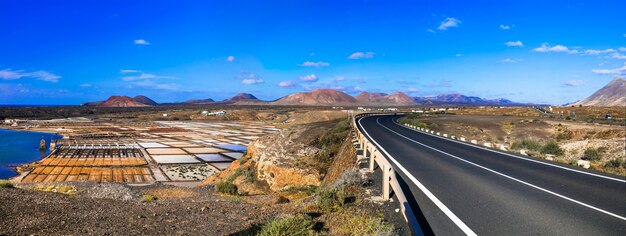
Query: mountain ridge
[[612, 94]]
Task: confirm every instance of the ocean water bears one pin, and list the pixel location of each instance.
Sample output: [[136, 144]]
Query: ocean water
[[19, 147]]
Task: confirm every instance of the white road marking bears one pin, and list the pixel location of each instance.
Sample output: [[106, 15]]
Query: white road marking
[[518, 157], [509, 177], [427, 192]]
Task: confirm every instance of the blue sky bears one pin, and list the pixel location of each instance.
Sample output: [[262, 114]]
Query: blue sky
[[69, 52]]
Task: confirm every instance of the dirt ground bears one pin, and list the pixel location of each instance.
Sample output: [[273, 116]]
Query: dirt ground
[[176, 211], [574, 137]]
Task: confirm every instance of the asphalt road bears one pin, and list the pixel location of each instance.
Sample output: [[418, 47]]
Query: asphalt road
[[465, 189]]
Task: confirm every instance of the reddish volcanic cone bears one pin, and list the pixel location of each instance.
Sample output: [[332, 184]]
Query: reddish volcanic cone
[[318, 97]]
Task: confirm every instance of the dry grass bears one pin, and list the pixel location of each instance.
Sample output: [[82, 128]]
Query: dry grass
[[591, 112], [495, 111], [173, 193]]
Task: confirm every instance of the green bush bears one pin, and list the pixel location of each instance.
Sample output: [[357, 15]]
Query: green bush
[[299, 224], [6, 184], [615, 163], [332, 199], [552, 148], [227, 187], [148, 198], [526, 144], [591, 154]]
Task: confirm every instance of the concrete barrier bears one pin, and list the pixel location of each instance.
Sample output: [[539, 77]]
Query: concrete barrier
[[445, 135], [487, 145], [474, 141], [503, 147], [390, 183], [462, 139]]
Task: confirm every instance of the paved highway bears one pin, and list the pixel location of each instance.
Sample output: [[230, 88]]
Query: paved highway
[[465, 189]]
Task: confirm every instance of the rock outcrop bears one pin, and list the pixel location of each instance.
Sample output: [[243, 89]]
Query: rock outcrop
[[277, 156]]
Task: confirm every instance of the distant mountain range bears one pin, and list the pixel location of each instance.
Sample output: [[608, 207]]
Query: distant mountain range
[[320, 97], [612, 94]]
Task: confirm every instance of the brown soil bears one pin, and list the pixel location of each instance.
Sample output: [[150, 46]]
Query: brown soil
[[27, 212]]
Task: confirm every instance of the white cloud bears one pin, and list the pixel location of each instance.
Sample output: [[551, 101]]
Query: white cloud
[[85, 85], [448, 23], [361, 55], [315, 64], [141, 42], [622, 49], [230, 58], [617, 71], [411, 90], [545, 47], [618, 56], [140, 79], [430, 31], [404, 82], [249, 78], [573, 83], [340, 78], [596, 52], [129, 71], [514, 43], [149, 84], [288, 84], [509, 60], [145, 76], [309, 78], [9, 74], [459, 55], [505, 27]]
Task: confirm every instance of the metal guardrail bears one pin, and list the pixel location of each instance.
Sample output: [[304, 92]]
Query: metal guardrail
[[391, 186]]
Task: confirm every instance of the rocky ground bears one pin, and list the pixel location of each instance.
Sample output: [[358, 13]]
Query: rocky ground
[[120, 210], [574, 138]]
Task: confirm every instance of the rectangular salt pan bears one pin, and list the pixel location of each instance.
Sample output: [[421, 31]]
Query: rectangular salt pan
[[213, 158], [152, 145], [236, 148], [172, 159], [235, 155]]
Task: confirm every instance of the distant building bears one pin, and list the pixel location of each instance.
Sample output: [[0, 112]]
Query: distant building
[[215, 113]]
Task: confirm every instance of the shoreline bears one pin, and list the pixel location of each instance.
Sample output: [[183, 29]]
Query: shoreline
[[23, 168]]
